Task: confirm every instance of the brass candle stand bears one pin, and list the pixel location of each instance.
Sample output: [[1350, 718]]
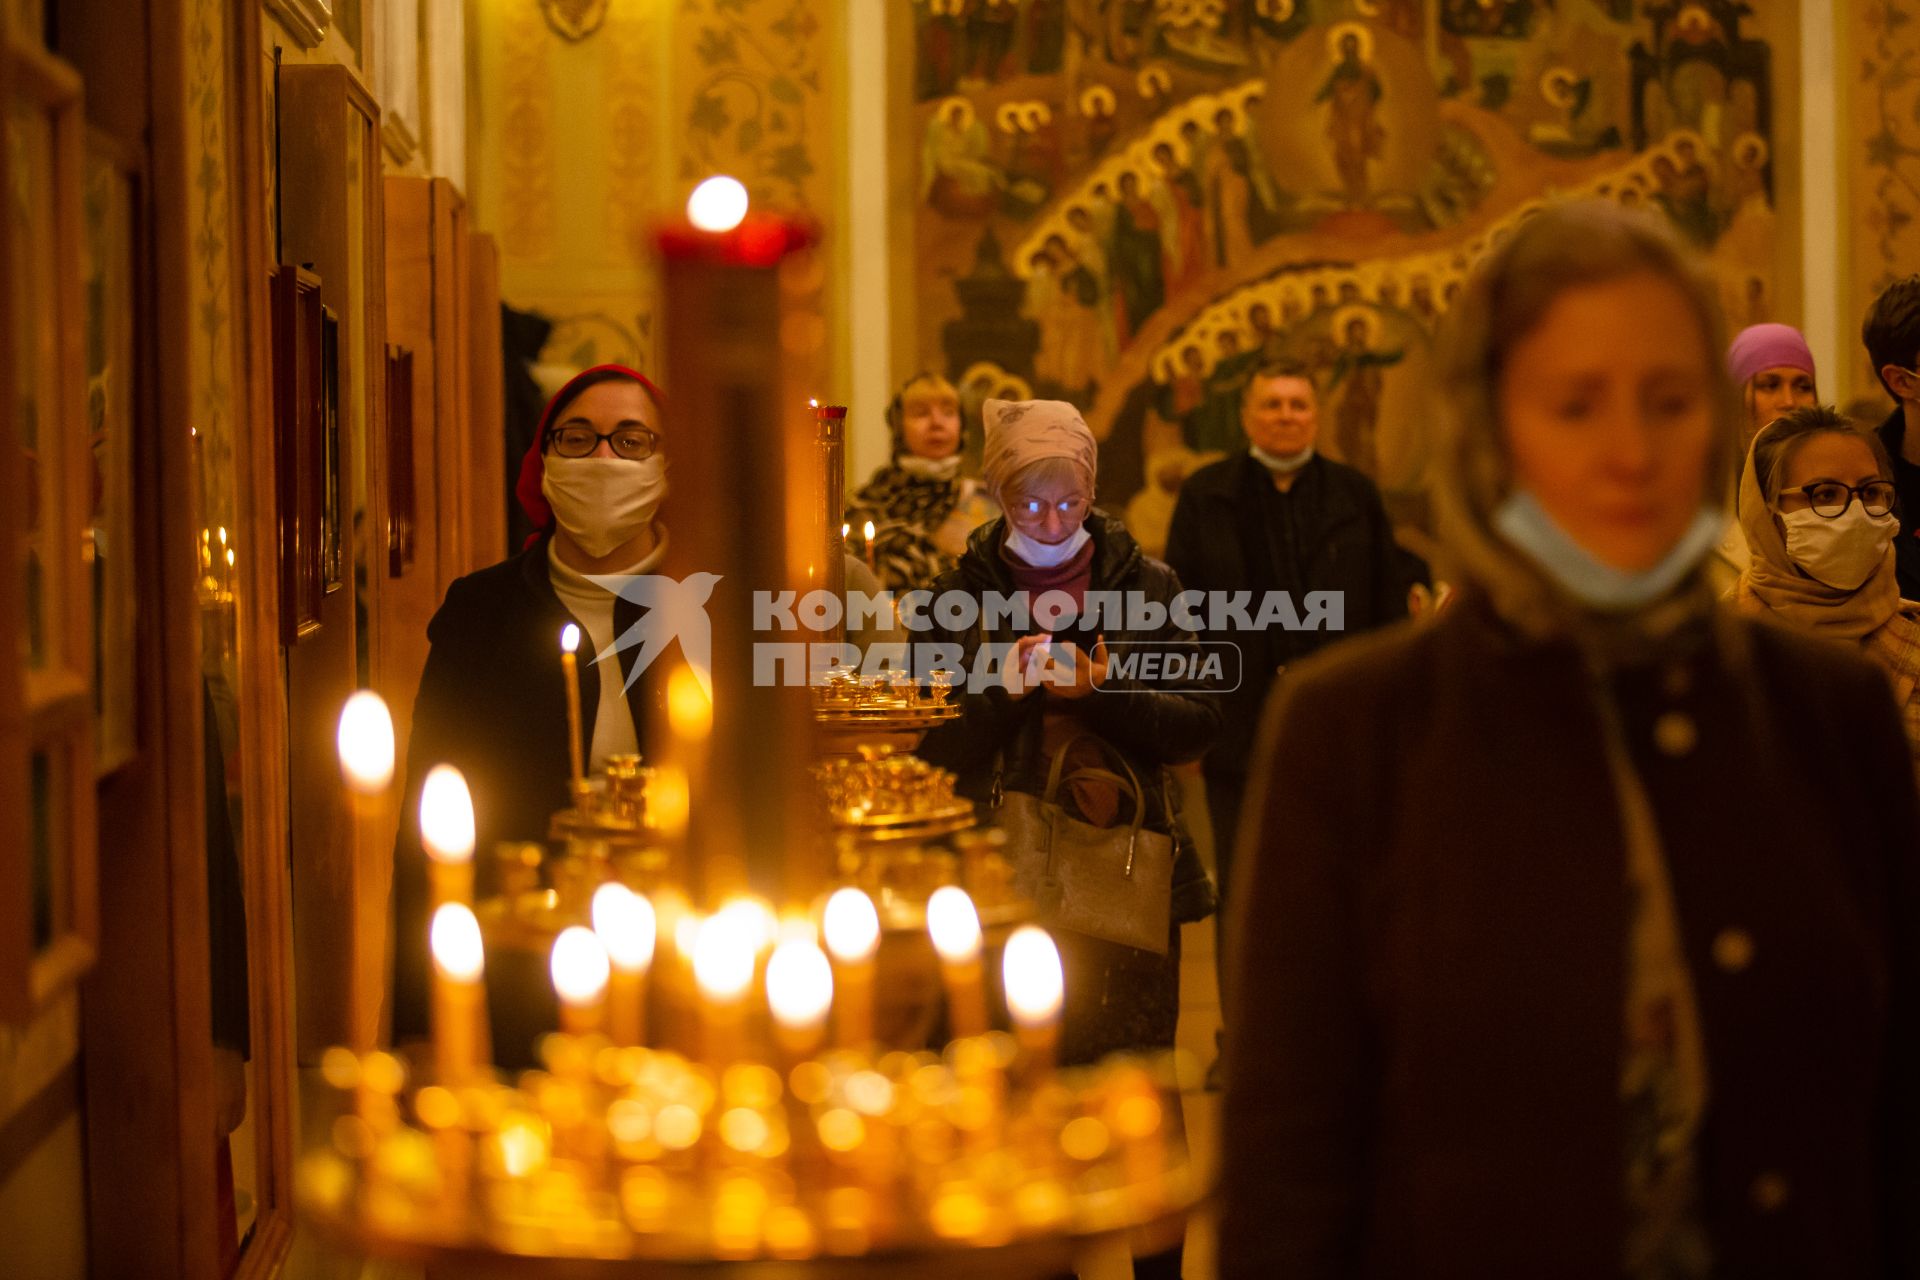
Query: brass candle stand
[[750, 966], [630, 1161], [891, 711]]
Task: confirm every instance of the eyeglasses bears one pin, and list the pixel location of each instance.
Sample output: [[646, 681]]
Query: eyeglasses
[[1831, 499], [1071, 508], [635, 444]]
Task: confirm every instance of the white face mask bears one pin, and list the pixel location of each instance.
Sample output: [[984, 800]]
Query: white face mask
[[1042, 555], [1842, 552], [602, 503], [1281, 465]]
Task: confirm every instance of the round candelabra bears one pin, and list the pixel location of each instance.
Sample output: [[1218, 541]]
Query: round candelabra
[[805, 1023]]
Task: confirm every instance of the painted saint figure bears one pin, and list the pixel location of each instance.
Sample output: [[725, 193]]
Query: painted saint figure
[[1358, 367], [1352, 92]]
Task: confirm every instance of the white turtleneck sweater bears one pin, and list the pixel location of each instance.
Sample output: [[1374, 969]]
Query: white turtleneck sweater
[[592, 607]]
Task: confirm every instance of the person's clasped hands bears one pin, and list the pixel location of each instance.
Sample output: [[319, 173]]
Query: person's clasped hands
[[1060, 667]]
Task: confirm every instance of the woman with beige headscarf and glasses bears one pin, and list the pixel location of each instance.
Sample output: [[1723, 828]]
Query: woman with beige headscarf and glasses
[[1517, 993], [1817, 506], [1060, 691]]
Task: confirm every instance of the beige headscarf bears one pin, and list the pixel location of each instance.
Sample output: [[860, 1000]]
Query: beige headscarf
[[1023, 432], [1773, 584], [1560, 247]]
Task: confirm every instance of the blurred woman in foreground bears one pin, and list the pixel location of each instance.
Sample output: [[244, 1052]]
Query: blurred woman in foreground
[[1515, 995]]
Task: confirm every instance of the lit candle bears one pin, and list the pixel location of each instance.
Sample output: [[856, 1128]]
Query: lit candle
[[570, 666], [1035, 987], [867, 533], [955, 928], [580, 972], [366, 744], [459, 959], [799, 991], [723, 968], [446, 829], [627, 927], [365, 741], [852, 930]]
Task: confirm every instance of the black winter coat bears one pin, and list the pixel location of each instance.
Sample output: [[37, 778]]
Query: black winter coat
[[1118, 998], [1232, 531], [492, 702], [1906, 478]]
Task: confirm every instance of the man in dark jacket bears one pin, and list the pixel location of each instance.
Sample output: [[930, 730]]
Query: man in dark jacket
[[1892, 335], [1279, 517]]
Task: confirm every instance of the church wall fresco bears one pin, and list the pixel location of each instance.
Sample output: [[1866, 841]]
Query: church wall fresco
[[1879, 70], [1131, 203]]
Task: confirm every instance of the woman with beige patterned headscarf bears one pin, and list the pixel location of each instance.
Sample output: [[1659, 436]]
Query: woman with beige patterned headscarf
[[1059, 691]]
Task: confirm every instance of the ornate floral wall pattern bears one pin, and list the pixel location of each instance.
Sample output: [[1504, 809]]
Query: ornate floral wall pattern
[[1881, 157], [749, 91]]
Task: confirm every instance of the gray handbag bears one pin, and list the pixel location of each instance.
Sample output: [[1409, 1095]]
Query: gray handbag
[[1114, 883]]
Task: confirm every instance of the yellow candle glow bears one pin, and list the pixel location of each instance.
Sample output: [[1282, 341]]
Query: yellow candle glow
[[570, 667], [955, 929], [867, 534], [366, 744], [723, 965], [852, 930], [459, 959], [1035, 986], [799, 991], [580, 972], [446, 829], [689, 709], [626, 925]]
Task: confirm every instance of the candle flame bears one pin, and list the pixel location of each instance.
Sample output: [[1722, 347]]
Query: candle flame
[[579, 965], [718, 204], [446, 815], [1030, 971], [723, 956], [757, 920], [626, 925], [689, 710], [851, 925], [570, 637], [799, 985], [365, 741], [867, 531], [454, 939], [954, 924]]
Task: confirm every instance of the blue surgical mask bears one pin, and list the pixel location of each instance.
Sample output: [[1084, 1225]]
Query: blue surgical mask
[[1522, 521]]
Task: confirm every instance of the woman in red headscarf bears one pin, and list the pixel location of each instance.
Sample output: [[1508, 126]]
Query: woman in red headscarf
[[492, 698]]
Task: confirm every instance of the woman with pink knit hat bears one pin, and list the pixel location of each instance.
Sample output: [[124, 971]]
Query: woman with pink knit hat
[[1061, 697], [1772, 367]]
